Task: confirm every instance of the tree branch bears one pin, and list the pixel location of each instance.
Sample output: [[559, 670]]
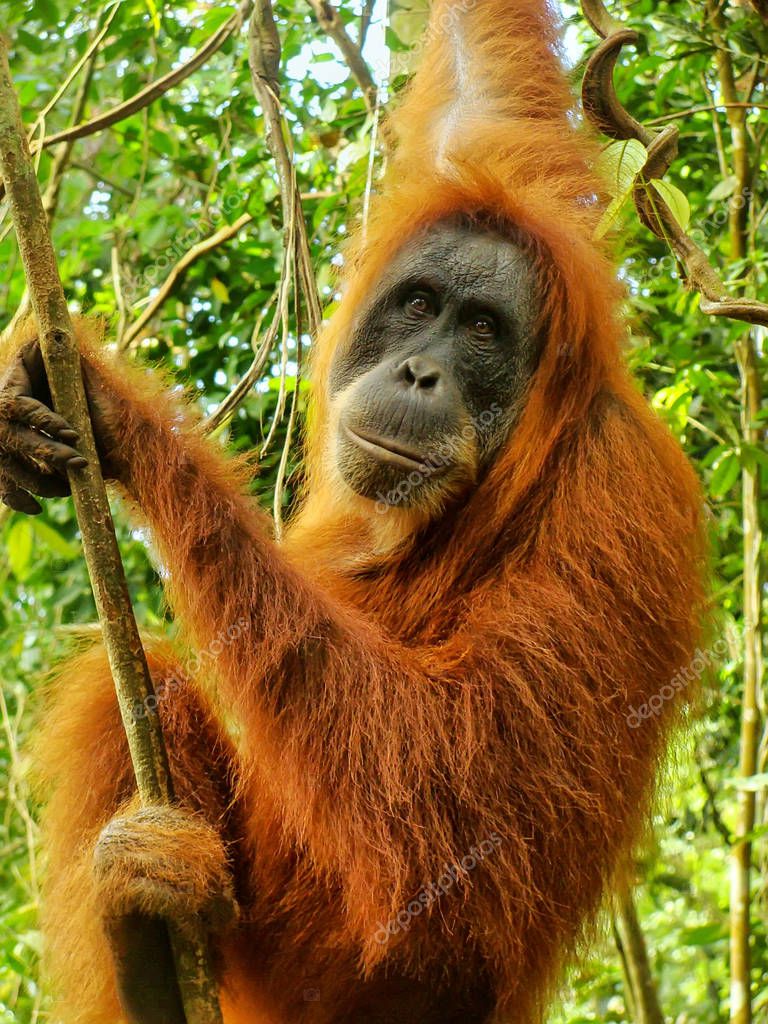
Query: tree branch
[[121, 636], [330, 22], [680, 114], [598, 17], [264, 52], [88, 58], [63, 153], [365, 22], [135, 332], [58, 168]]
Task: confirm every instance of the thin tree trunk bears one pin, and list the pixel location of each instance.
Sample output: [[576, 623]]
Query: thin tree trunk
[[102, 555], [643, 997], [741, 852], [741, 1011]]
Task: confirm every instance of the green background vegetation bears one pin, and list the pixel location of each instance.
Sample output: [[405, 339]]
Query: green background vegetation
[[134, 198]]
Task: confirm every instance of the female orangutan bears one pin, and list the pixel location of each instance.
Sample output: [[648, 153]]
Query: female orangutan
[[430, 771]]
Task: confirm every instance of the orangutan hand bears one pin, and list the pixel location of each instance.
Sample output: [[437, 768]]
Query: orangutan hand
[[37, 446]]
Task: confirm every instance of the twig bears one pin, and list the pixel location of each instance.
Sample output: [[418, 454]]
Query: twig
[[748, 362], [717, 820], [87, 60], [264, 61], [680, 114], [17, 793], [371, 165], [277, 502], [64, 151], [284, 312], [99, 176], [133, 333], [329, 21], [102, 555], [117, 284], [59, 165], [365, 22], [261, 353]]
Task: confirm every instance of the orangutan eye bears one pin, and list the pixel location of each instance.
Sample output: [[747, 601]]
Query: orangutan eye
[[483, 326], [420, 304]]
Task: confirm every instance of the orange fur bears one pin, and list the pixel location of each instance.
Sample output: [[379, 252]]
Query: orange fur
[[84, 775], [476, 680]]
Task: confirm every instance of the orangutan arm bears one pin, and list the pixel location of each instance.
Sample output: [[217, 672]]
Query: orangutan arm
[[390, 760]]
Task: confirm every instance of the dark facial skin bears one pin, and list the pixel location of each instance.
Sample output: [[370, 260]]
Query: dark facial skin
[[426, 391], [437, 368]]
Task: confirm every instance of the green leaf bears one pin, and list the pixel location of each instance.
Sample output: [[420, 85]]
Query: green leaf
[[408, 20], [164, 143], [352, 153], [219, 289], [725, 475], [47, 10], [20, 543], [723, 189], [676, 200], [53, 540], [756, 833], [674, 402], [751, 783], [30, 41], [212, 20], [619, 164], [703, 935]]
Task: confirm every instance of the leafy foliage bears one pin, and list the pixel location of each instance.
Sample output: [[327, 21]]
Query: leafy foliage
[[136, 197]]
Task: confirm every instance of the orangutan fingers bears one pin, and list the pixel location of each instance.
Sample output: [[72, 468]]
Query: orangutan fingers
[[165, 862], [44, 485], [17, 382], [18, 483], [35, 414], [38, 449], [17, 499]]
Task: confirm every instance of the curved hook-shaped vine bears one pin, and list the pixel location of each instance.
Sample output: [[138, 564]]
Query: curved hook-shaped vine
[[604, 111]]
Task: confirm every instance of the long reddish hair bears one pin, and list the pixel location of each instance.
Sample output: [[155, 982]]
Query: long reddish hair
[[584, 542], [478, 675]]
